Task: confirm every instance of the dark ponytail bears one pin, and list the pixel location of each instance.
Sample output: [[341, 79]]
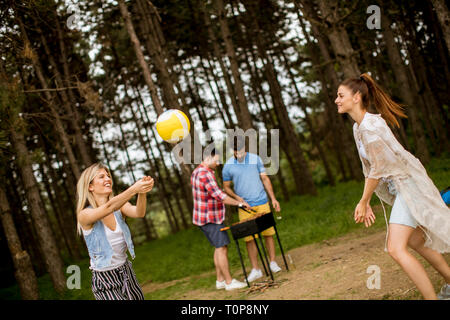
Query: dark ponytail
[[371, 92]]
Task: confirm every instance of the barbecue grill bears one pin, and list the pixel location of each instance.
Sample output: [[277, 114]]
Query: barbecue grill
[[251, 227]]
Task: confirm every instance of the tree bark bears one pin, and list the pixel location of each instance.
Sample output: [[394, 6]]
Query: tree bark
[[303, 181], [408, 95], [323, 156], [226, 76], [53, 261], [73, 116], [223, 108], [155, 168], [344, 138], [24, 273], [339, 39], [58, 123], [443, 15], [140, 56], [148, 79], [245, 116], [23, 221]]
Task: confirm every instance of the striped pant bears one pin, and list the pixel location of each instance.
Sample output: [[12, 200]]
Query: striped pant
[[117, 284]]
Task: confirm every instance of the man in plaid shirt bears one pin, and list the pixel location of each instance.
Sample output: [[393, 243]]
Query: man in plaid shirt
[[209, 214]]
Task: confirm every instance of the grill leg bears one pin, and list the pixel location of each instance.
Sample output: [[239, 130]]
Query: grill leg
[[260, 255], [281, 248], [242, 262], [265, 255]]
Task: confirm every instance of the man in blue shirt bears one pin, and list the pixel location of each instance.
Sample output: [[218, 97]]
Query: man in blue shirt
[[250, 182]]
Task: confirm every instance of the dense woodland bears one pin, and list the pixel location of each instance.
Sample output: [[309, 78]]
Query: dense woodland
[[70, 97]]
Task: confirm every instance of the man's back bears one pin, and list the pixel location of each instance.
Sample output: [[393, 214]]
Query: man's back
[[208, 205]]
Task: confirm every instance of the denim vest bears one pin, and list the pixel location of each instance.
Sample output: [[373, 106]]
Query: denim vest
[[100, 251]]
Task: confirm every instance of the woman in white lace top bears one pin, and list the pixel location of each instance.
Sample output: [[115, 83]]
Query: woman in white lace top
[[419, 217]]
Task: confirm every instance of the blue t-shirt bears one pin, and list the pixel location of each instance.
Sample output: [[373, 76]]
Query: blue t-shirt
[[246, 178]]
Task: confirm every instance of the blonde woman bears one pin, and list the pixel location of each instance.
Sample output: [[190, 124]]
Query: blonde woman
[[419, 217], [100, 217]]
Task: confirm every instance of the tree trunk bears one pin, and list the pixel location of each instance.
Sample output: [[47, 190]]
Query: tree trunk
[[245, 116], [53, 261], [73, 116], [269, 121], [154, 166], [67, 212], [226, 118], [432, 112], [25, 276], [58, 230], [65, 220], [221, 92], [339, 39], [58, 124], [343, 139], [184, 187], [148, 79], [140, 56], [195, 98], [24, 222], [408, 95], [303, 181], [310, 125], [442, 12]]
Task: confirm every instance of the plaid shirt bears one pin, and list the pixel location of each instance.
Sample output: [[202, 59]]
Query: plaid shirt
[[208, 197]]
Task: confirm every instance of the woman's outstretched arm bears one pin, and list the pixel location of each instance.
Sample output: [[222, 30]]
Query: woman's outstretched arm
[[89, 216], [137, 211]]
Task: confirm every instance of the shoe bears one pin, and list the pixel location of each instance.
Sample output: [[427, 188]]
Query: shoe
[[234, 284], [254, 274], [274, 267], [445, 292], [220, 284]]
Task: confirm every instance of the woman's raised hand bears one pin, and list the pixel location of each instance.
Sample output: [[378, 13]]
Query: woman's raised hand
[[144, 185]]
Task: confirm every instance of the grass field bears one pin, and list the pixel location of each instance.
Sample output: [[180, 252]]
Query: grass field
[[305, 220]]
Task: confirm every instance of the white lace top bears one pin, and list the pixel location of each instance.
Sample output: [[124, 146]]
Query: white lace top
[[386, 158]]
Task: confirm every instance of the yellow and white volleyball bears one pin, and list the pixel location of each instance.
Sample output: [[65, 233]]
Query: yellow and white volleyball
[[173, 125]]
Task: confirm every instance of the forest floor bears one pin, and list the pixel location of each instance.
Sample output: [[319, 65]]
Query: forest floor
[[332, 269]]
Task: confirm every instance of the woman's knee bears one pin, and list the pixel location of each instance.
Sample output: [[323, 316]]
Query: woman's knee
[[396, 251], [399, 236]]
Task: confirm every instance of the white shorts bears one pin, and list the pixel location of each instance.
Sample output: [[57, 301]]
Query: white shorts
[[400, 213]]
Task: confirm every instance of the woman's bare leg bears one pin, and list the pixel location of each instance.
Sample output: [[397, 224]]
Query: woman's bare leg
[[397, 247], [417, 241]]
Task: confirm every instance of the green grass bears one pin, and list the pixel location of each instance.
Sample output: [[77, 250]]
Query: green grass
[[306, 219]]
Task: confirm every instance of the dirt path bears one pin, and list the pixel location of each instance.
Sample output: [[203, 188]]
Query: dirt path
[[333, 269]]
